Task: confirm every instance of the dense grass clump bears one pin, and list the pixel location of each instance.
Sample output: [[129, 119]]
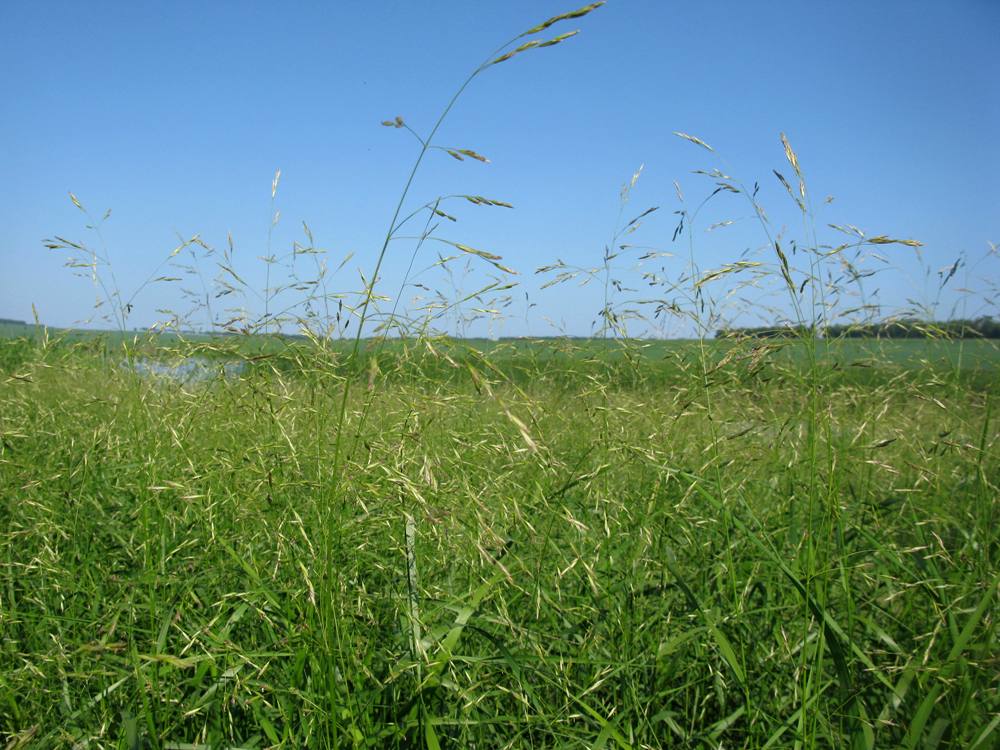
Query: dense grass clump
[[741, 555]]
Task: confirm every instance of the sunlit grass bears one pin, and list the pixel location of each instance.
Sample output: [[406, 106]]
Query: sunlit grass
[[349, 540], [597, 562]]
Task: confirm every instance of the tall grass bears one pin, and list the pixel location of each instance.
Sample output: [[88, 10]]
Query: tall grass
[[657, 585], [422, 541]]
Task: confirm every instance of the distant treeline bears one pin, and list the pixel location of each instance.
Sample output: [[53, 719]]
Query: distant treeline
[[11, 321], [980, 328]]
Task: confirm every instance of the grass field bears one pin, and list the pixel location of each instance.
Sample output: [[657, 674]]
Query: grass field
[[330, 541], [549, 544]]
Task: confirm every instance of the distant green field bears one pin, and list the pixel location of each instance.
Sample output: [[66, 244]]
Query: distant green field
[[562, 360]]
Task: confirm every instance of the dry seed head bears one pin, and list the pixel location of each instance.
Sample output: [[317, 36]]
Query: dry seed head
[[635, 177], [474, 251], [274, 183], [491, 258], [728, 268], [481, 201], [883, 240], [523, 429], [693, 139], [790, 155]]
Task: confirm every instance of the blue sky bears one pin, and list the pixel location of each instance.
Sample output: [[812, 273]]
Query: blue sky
[[176, 116]]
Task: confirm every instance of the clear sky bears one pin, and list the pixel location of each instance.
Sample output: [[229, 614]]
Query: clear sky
[[176, 116]]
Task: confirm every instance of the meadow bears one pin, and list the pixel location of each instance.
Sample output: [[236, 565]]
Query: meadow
[[540, 544], [382, 536]]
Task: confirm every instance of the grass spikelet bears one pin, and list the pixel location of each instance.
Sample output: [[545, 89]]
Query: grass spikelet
[[578, 13], [883, 240], [791, 156], [693, 139]]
